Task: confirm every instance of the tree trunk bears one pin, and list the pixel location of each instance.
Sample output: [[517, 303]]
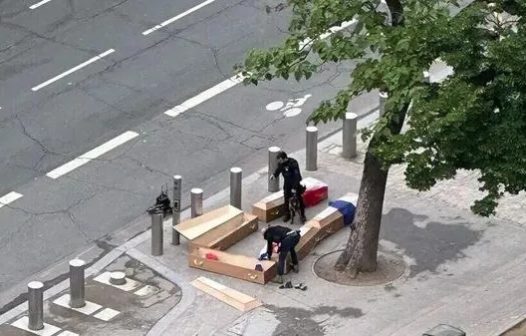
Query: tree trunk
[[361, 251], [360, 254]]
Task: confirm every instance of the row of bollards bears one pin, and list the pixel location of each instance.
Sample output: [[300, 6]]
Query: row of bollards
[[196, 209], [349, 151], [35, 295]]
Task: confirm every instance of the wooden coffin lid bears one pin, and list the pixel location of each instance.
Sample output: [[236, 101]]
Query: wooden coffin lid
[[221, 232], [271, 201], [226, 294], [325, 217], [195, 227]]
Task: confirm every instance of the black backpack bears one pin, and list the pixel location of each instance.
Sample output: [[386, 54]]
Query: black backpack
[[162, 202]]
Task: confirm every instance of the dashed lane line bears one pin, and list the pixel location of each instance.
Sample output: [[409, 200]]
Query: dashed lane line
[[92, 154], [72, 70], [205, 95], [9, 198], [175, 18], [38, 4]]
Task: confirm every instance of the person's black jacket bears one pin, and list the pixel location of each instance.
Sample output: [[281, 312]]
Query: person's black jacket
[[291, 173], [275, 234]]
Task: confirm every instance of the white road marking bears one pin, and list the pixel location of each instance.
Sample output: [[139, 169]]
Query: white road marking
[[48, 330], [107, 314], [205, 95], [92, 154], [70, 71], [175, 18], [88, 309], [38, 4], [331, 31], [9, 198], [68, 333]]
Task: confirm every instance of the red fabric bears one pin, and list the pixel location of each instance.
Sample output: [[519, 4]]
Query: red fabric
[[315, 195], [211, 256]]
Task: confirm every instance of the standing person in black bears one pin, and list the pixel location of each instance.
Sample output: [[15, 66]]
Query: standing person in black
[[290, 170], [288, 239]]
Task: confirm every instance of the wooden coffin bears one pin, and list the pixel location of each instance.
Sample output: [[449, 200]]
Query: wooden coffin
[[310, 237], [226, 294], [269, 208], [198, 226], [328, 221], [234, 265], [226, 235]]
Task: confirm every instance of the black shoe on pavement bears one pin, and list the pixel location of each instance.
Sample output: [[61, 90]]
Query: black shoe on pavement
[[286, 218]]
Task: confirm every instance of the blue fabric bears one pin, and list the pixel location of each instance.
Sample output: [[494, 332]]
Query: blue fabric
[[347, 209]]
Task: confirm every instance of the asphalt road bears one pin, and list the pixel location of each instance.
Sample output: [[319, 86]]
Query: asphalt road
[[46, 121]]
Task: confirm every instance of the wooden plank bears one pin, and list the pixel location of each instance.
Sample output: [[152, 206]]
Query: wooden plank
[[196, 227], [232, 297]]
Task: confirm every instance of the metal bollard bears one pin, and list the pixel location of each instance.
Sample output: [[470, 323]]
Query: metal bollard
[[196, 202], [273, 185], [76, 283], [157, 234], [383, 100], [349, 135], [35, 293], [235, 186], [311, 148], [176, 214]]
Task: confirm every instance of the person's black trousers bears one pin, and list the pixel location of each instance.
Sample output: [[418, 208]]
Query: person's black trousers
[[287, 194], [288, 245]]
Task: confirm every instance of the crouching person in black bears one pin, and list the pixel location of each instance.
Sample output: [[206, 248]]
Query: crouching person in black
[[288, 239], [290, 170]]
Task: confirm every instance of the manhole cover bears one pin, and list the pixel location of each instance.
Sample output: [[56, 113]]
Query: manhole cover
[[390, 267]]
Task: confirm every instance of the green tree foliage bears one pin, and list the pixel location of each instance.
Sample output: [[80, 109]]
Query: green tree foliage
[[473, 120]]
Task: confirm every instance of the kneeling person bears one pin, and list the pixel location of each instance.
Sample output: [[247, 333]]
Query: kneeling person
[[288, 239]]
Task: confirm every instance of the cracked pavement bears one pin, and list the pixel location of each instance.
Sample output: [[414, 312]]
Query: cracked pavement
[[84, 211]]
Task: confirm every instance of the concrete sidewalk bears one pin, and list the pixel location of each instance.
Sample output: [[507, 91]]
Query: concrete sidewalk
[[462, 269]]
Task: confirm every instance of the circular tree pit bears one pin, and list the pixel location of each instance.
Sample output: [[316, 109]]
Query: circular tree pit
[[390, 267]]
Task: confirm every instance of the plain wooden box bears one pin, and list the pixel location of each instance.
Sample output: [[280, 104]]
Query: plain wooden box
[[224, 236], [234, 265], [270, 207], [195, 227]]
